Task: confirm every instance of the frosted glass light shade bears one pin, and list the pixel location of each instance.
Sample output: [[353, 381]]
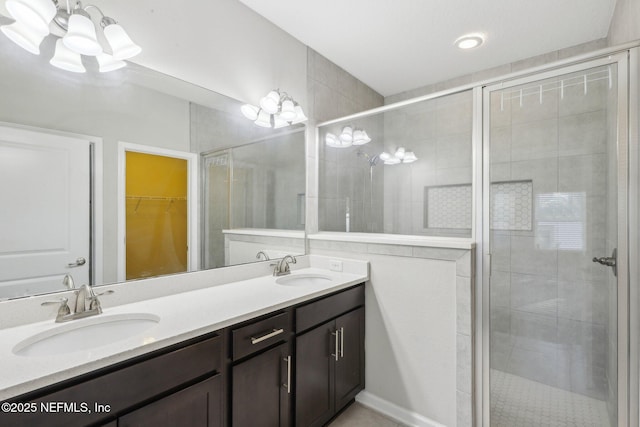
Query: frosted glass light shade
[[270, 102], [250, 111], [347, 134], [287, 111], [23, 36], [360, 137], [108, 63], [392, 161], [81, 36], [400, 153], [264, 119], [122, 47], [300, 117], [384, 156], [279, 122], [409, 157], [331, 140], [35, 14], [67, 59]]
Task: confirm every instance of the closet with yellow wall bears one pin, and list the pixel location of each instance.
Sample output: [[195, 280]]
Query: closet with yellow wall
[[156, 215]]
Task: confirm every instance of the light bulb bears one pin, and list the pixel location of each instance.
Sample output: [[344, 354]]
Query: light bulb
[[288, 110], [270, 102], [264, 119], [23, 36], [409, 157], [250, 111], [300, 117], [35, 14], [347, 135], [67, 59], [108, 63], [81, 35], [122, 47]]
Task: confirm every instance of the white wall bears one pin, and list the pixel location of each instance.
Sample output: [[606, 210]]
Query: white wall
[[36, 94], [624, 23], [224, 46]]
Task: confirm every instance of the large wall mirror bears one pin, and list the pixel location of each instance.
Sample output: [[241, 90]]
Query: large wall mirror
[[160, 177]]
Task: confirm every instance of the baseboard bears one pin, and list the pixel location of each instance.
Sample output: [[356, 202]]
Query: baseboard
[[394, 411]]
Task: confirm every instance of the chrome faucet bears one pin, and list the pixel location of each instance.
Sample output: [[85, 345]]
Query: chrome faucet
[[281, 268], [87, 304]]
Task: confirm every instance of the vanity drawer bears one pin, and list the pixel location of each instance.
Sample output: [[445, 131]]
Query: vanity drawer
[[260, 335], [320, 311]]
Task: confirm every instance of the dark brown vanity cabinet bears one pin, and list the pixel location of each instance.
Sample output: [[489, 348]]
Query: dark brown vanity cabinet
[[329, 356], [298, 366], [261, 375], [181, 385]]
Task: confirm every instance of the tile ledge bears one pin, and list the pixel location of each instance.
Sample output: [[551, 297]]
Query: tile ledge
[[395, 239]]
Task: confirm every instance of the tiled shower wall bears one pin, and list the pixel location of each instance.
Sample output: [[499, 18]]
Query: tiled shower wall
[[549, 302], [333, 93], [439, 133]]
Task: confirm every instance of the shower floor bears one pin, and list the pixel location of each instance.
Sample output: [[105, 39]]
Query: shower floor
[[519, 402]]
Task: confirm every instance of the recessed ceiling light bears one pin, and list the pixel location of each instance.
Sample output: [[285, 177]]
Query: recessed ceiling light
[[469, 41]]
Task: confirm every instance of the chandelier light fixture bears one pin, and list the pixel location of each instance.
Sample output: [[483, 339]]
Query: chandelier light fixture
[[400, 156], [31, 26], [348, 137], [276, 110]]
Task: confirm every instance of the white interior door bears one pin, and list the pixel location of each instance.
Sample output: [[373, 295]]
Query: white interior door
[[45, 216]]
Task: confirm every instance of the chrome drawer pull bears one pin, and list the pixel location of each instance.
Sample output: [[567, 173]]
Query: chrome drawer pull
[[266, 337], [342, 342], [337, 353], [288, 384]]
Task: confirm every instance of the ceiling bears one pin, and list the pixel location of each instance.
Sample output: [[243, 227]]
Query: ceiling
[[398, 45]]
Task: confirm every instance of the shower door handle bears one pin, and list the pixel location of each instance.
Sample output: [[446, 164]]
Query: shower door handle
[[609, 261]]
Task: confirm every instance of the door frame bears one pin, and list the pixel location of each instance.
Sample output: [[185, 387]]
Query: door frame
[[626, 385], [192, 203], [96, 220]]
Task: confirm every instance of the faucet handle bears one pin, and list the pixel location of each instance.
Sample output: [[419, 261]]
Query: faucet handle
[[64, 306]]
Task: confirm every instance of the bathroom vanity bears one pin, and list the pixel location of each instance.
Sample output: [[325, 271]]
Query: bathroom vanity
[[293, 363]]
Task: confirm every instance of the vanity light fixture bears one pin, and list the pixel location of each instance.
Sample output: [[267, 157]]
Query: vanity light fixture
[[275, 110], [348, 136], [469, 41], [400, 156], [31, 26]]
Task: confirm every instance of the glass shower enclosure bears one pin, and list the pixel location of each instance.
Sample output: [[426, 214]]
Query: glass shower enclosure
[[554, 159]]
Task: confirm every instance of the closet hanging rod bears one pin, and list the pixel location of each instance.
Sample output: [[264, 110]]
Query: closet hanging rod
[[172, 199]]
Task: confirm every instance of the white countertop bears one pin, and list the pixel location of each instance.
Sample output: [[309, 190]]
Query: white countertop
[[182, 316]]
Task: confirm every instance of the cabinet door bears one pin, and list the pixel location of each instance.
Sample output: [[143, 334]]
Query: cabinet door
[[349, 375], [314, 375], [197, 406], [260, 396]]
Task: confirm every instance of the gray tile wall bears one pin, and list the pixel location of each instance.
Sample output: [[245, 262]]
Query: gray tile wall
[[550, 303], [503, 69], [344, 177]]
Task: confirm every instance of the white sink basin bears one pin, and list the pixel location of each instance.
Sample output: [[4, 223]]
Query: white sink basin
[[86, 334], [304, 279]]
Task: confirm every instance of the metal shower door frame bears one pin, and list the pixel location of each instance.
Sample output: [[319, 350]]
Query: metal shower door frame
[[627, 67]]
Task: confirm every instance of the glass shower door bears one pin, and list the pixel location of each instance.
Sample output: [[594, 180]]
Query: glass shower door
[[552, 209]]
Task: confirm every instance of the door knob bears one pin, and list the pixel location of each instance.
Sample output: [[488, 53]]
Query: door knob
[[609, 261], [80, 261]]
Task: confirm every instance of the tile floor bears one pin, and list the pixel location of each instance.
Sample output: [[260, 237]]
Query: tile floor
[[357, 415], [519, 402]]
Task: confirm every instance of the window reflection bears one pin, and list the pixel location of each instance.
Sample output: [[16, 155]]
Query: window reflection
[[560, 221]]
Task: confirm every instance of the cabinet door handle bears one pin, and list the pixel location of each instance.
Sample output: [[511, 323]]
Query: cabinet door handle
[[337, 353], [271, 334], [288, 384], [342, 342]]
